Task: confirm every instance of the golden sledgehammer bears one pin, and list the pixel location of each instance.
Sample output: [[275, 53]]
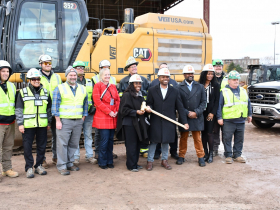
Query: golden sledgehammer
[[144, 107]]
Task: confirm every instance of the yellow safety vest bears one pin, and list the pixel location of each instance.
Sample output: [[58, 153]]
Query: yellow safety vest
[[224, 82], [112, 79], [7, 101], [51, 84], [89, 92], [235, 108], [34, 116], [71, 107]]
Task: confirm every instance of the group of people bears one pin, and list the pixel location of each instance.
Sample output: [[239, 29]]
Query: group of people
[[215, 101]]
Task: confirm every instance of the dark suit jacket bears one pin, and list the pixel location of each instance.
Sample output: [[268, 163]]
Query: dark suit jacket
[[214, 97], [194, 101], [161, 130]]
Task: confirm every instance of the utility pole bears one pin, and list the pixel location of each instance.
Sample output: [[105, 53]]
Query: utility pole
[[274, 23], [206, 13]]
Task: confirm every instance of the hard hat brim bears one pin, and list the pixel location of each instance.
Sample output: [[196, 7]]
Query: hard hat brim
[[126, 67]]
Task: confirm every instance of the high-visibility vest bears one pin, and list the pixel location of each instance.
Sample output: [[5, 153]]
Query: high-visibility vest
[[34, 116], [235, 108], [224, 82], [71, 107], [7, 101], [51, 84], [89, 92], [96, 79]]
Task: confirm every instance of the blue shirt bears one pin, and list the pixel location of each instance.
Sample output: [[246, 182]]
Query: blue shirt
[[56, 101], [189, 85], [236, 92]]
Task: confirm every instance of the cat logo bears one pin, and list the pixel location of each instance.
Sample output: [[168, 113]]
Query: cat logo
[[144, 54]]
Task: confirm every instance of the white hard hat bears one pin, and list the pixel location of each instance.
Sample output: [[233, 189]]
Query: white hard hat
[[164, 72], [135, 78], [131, 61], [208, 67], [33, 73], [43, 58], [188, 69], [4, 64], [104, 63]]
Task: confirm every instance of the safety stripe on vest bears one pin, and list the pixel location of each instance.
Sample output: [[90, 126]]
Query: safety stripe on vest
[[28, 116], [43, 97], [70, 107], [89, 102], [7, 104], [88, 82], [24, 90], [28, 98], [43, 115], [13, 88], [57, 78], [81, 88], [235, 103], [113, 79], [73, 113], [64, 88]]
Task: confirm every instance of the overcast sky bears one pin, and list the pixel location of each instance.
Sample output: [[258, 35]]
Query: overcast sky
[[238, 27]]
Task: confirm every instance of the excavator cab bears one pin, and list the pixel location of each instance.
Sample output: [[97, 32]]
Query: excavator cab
[[32, 28]]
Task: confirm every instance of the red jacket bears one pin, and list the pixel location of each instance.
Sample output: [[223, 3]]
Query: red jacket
[[102, 119]]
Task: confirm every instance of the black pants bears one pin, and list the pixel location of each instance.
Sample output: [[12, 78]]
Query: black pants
[[173, 147], [216, 135], [132, 145], [41, 142]]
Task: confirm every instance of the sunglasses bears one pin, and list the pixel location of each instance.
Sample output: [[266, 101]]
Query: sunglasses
[[80, 67], [36, 79], [47, 63]]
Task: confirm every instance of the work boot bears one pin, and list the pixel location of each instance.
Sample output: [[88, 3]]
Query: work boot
[[210, 159], [229, 160], [54, 161], [1, 177], [64, 172], [76, 162], [91, 160], [110, 166], [73, 168], [201, 162], [30, 173], [240, 159], [40, 170], [180, 161], [165, 164], [96, 156], [10, 173], [216, 153], [115, 156], [45, 164], [175, 156], [145, 155], [149, 166]]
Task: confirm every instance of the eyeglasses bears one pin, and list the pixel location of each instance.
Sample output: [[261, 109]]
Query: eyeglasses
[[47, 62], [80, 67], [36, 79]]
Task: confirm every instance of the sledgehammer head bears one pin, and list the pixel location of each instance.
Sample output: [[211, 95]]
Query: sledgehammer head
[[143, 106]]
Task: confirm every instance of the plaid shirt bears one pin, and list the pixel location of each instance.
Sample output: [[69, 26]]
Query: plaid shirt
[[57, 100]]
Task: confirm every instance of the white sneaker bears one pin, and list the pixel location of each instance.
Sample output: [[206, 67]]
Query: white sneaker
[[30, 173], [40, 170]]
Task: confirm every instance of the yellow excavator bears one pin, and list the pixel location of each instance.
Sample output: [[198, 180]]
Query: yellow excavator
[[59, 28]]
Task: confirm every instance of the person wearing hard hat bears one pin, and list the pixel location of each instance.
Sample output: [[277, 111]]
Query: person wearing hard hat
[[212, 90], [70, 108], [50, 81], [156, 81], [165, 99], [132, 125], [7, 119], [87, 129], [33, 113], [95, 79], [222, 80], [234, 108], [194, 101], [173, 146], [131, 67]]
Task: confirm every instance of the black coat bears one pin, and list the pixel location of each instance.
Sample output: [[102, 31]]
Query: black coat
[[128, 105], [194, 101], [161, 130]]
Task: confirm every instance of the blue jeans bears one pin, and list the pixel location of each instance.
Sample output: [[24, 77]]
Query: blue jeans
[[152, 149], [87, 128], [235, 130], [105, 155], [96, 141]]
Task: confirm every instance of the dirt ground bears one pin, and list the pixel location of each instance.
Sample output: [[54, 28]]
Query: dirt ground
[[254, 185]]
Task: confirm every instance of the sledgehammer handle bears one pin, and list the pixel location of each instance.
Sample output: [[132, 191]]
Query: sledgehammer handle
[[167, 118]]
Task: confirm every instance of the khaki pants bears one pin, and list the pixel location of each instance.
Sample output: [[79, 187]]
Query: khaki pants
[[197, 144], [7, 136]]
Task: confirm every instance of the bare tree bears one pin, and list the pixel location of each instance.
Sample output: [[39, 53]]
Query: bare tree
[[267, 60]]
